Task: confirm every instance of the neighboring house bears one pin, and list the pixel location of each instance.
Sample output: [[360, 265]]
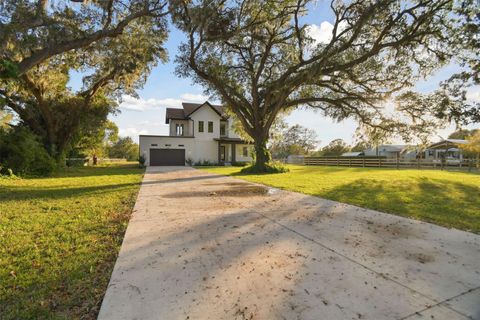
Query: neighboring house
[[447, 149], [387, 150], [198, 133]]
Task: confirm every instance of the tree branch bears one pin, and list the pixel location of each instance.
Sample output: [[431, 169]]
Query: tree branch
[[41, 55]]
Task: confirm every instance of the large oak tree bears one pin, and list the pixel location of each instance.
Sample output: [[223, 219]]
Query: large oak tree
[[113, 44], [259, 58]]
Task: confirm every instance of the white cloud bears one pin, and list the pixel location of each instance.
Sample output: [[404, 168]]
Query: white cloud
[[131, 132], [323, 33], [150, 123], [193, 97], [140, 104], [473, 94]]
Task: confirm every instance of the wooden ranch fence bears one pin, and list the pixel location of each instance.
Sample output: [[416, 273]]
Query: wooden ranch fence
[[382, 162]]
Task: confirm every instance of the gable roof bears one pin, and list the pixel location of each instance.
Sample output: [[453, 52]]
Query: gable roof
[[447, 143], [389, 148], [189, 109], [173, 113]]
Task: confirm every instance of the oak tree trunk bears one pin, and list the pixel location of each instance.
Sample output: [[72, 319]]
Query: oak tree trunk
[[262, 155], [260, 134]]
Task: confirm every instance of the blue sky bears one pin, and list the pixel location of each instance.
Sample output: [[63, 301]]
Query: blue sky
[[146, 115]]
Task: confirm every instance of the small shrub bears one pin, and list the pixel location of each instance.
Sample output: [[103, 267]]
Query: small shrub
[[189, 162], [271, 167], [43, 164], [8, 173], [204, 163], [76, 162], [141, 160], [240, 163]]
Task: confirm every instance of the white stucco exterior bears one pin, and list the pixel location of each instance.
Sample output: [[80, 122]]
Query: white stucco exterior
[[206, 114], [199, 146]]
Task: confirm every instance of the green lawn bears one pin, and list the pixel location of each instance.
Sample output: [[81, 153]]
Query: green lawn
[[59, 238], [450, 199]]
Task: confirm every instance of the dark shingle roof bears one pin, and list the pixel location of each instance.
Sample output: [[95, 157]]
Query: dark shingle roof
[[173, 113], [192, 107], [188, 109]]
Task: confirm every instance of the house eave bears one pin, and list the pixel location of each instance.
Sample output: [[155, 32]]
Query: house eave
[[232, 140], [167, 120], [164, 136]]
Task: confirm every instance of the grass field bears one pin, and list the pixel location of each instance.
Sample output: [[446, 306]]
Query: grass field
[[450, 199], [59, 238]]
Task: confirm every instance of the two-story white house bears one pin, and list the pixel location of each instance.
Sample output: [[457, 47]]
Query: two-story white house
[[197, 133]]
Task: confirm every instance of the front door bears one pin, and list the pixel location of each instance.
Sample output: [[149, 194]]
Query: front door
[[222, 153]]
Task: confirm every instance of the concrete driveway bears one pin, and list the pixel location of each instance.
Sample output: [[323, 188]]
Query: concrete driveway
[[203, 246]]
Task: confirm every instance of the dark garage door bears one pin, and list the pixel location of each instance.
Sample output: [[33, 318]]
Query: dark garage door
[[167, 157]]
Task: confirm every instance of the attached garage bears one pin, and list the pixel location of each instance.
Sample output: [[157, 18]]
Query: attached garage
[[167, 157]]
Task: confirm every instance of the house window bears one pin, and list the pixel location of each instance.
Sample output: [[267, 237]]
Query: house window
[[168, 145], [154, 144], [179, 129], [210, 126], [181, 145], [223, 129], [245, 151], [200, 126]]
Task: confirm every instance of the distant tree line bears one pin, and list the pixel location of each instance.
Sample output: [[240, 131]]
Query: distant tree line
[[106, 144], [298, 140]]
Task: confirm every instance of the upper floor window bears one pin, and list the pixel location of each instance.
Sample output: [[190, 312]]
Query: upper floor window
[[179, 129], [200, 126], [210, 126], [223, 129]]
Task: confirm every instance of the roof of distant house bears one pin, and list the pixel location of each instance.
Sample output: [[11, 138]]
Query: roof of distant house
[[449, 143], [352, 154], [391, 147], [460, 141], [189, 109]]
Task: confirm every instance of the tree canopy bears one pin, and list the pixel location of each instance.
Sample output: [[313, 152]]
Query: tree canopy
[[335, 148], [462, 134], [112, 44], [5, 119], [124, 148], [259, 59], [32, 32], [294, 140], [472, 147], [95, 140]]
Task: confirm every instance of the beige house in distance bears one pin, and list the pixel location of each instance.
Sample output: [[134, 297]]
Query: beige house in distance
[[197, 133]]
